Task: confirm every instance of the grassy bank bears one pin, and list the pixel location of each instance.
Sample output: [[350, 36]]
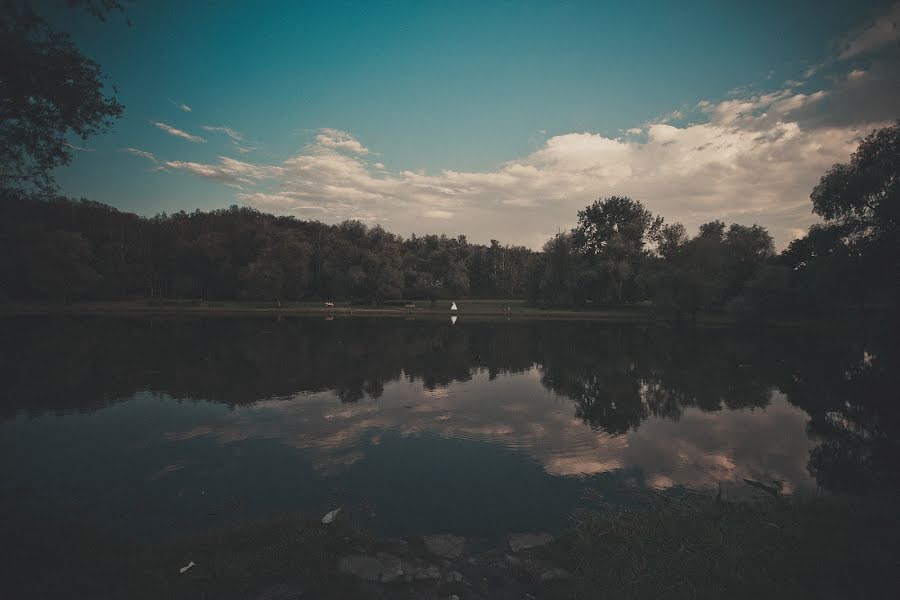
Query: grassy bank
[[480, 309], [815, 548], [805, 548]]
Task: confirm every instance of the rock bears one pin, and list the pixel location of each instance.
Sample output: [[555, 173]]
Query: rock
[[427, 572], [523, 541], [514, 561], [331, 516], [445, 545], [554, 574], [383, 568], [453, 577], [391, 567]]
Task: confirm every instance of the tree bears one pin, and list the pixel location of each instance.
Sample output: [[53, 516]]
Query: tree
[[864, 194], [49, 91], [613, 233], [62, 266], [863, 198], [764, 295]]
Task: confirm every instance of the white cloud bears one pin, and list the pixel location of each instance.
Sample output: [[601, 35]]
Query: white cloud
[[750, 158], [140, 153], [228, 170], [234, 135], [748, 163], [539, 425], [438, 214], [178, 132], [340, 140], [884, 32], [181, 106]]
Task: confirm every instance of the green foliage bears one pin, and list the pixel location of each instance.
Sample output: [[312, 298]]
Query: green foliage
[[704, 272], [238, 253], [853, 257], [50, 91], [611, 235]]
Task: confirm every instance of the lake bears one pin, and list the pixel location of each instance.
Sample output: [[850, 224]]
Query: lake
[[153, 427]]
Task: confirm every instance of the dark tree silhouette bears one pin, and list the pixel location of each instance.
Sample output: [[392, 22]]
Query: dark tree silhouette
[[48, 91]]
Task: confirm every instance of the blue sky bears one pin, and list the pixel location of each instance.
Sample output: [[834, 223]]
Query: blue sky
[[466, 117]]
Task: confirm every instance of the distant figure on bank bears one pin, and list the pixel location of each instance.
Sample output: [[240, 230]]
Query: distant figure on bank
[[453, 306], [329, 305]]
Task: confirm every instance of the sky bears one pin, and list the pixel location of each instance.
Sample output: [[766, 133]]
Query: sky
[[496, 120]]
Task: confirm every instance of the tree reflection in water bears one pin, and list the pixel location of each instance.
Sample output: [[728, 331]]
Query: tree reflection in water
[[617, 376]]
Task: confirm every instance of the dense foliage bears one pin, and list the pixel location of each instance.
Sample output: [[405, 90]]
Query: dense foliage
[[59, 249]]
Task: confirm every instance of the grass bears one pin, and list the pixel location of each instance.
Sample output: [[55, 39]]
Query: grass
[[801, 548], [479, 309], [694, 548]]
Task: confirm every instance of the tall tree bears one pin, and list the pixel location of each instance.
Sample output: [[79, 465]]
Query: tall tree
[[613, 233], [862, 198]]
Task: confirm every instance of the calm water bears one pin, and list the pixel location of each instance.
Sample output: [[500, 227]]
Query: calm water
[[153, 427]]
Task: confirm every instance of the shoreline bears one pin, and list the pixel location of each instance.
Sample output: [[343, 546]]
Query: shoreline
[[476, 310], [758, 548]]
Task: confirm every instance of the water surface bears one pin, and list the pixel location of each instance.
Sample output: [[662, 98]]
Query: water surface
[[155, 427]]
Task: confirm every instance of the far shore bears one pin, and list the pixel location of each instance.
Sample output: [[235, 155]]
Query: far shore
[[469, 310]]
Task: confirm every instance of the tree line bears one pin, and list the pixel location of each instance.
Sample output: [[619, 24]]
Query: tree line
[[58, 249], [63, 250]]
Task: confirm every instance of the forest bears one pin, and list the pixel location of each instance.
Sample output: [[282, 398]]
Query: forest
[[56, 249]]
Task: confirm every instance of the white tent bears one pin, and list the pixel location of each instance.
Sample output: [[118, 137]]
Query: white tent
[[453, 306]]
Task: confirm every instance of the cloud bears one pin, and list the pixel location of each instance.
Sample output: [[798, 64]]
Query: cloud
[[234, 135], [340, 140], [177, 132], [700, 450], [181, 106], [140, 153], [750, 157], [438, 214], [229, 171], [750, 161], [884, 32]]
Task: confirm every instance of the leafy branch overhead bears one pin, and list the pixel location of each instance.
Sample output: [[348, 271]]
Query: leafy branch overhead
[[49, 91]]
